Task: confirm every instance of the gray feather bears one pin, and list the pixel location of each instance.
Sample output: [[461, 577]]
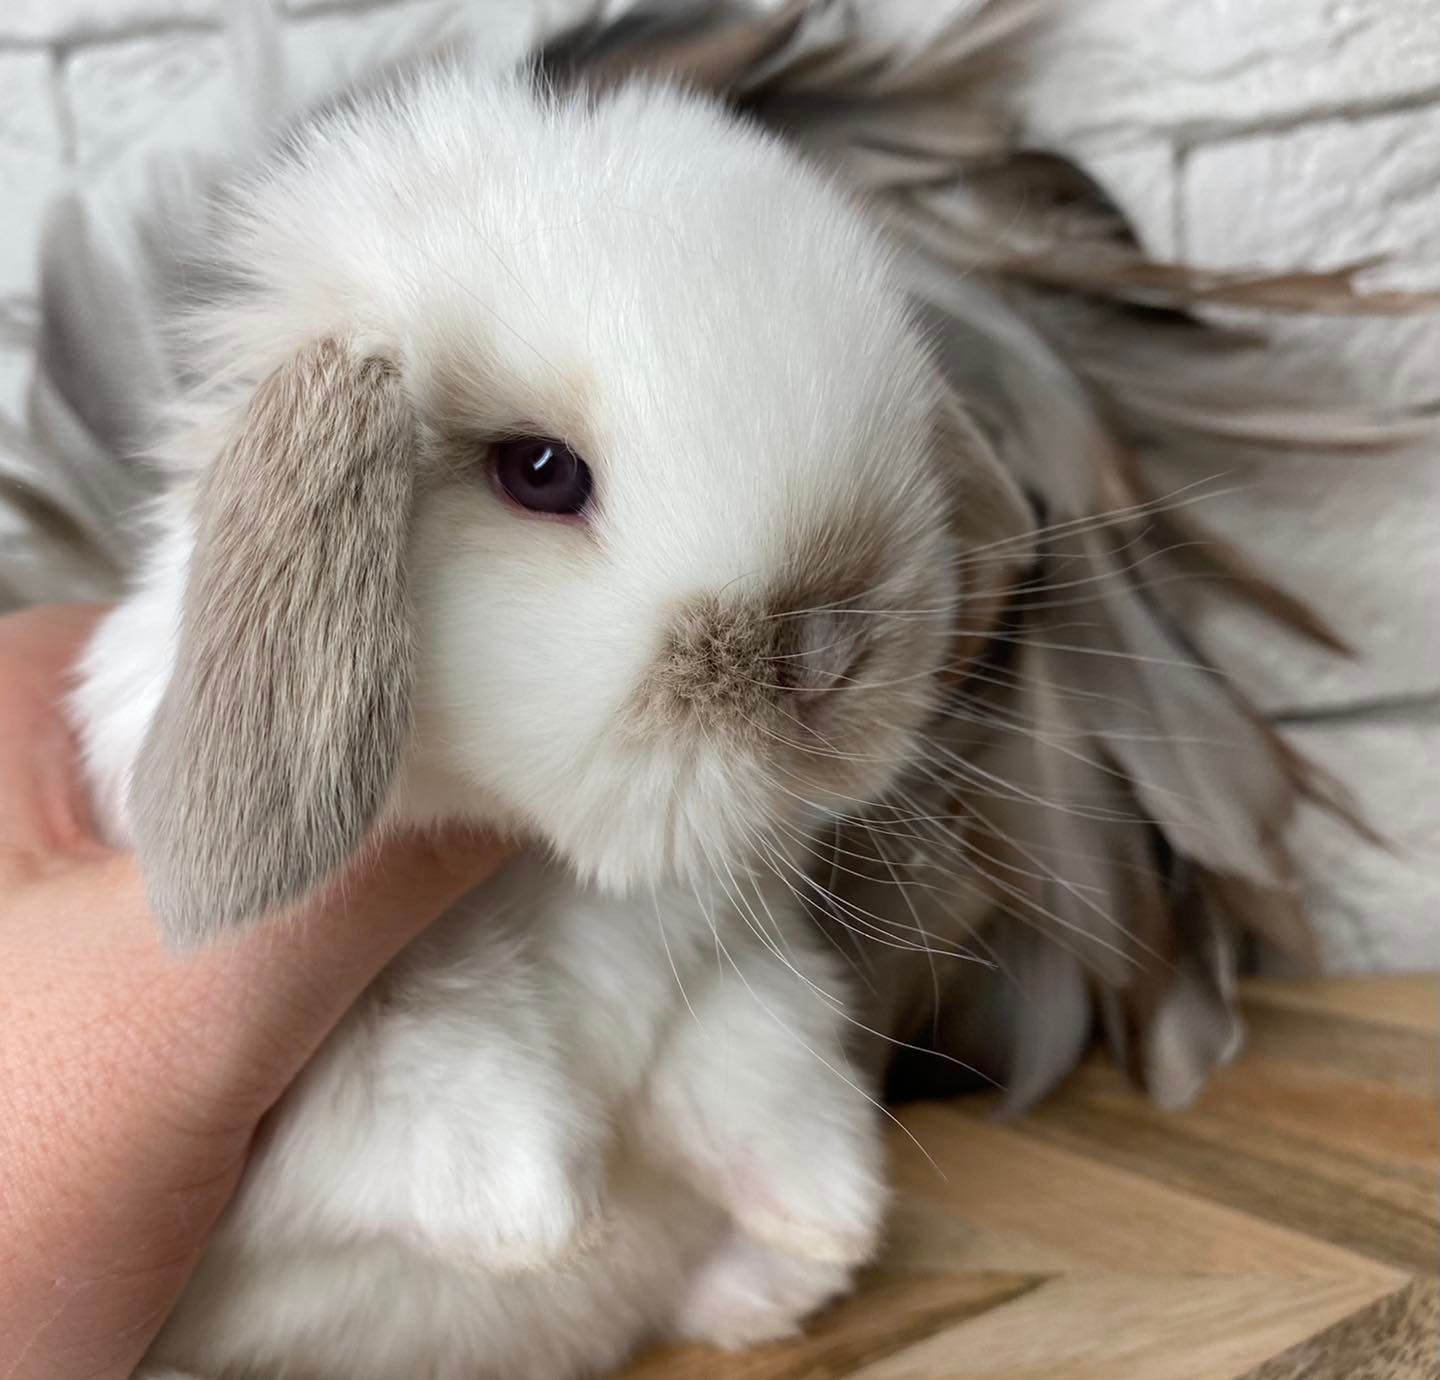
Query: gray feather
[[1146, 833]]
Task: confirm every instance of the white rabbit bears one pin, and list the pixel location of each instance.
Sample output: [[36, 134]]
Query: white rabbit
[[560, 462]]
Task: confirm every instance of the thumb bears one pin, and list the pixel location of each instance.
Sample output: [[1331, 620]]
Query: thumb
[[224, 1030], [132, 1078], [239, 1017], [287, 981]]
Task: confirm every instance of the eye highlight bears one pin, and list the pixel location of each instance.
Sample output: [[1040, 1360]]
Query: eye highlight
[[542, 475]]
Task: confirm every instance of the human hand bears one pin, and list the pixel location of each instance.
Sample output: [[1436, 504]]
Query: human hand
[[132, 1079]]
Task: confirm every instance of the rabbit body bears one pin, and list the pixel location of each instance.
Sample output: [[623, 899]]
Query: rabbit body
[[563, 1123], [523, 1154], [609, 1098]]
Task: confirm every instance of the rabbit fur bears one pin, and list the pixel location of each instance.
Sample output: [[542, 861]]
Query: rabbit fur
[[612, 1096]]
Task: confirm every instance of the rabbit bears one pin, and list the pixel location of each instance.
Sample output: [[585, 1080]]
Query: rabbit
[[570, 463]]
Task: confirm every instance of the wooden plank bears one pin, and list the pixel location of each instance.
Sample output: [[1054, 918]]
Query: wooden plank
[[1008, 1180], [1328, 1125], [1325, 1203], [890, 1312], [1254, 1117], [1397, 1338], [1348, 1050], [1133, 1327], [1408, 1003]]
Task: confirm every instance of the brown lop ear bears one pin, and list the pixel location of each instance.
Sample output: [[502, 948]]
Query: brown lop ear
[[275, 743]]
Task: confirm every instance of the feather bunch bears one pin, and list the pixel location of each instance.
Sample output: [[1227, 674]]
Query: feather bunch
[[1103, 819]]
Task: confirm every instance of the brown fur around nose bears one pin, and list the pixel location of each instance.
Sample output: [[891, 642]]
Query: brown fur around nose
[[726, 660], [718, 659]]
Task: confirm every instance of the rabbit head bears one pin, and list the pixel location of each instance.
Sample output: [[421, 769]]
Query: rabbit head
[[569, 464]]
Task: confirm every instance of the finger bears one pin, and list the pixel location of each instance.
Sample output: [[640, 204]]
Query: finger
[[290, 979], [132, 1078], [222, 1031], [45, 811]]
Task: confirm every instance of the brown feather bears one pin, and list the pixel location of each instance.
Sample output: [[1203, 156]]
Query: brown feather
[[1334, 292], [1275, 913], [703, 43], [1108, 812], [1197, 554], [1189, 1024]]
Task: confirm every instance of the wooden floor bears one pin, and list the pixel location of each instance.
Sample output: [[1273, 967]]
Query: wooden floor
[[1284, 1229]]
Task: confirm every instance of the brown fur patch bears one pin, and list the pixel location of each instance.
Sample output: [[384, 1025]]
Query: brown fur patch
[[715, 654], [728, 658]]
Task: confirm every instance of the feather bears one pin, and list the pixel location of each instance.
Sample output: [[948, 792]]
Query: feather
[[1022, 1021], [1337, 292], [80, 394], [1193, 1024], [1105, 813], [1060, 819], [1037, 218], [1199, 760], [833, 62], [1189, 550], [46, 519], [697, 41], [1044, 997]]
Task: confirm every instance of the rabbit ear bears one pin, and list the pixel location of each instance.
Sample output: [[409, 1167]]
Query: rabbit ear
[[275, 743]]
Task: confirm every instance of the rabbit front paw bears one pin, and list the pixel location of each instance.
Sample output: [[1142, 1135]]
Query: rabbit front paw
[[793, 1152], [822, 1200], [748, 1292]]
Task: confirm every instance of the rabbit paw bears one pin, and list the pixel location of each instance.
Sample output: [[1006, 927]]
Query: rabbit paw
[[794, 1156], [748, 1292], [822, 1201]]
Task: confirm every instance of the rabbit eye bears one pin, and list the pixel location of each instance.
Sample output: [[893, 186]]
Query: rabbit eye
[[542, 474]]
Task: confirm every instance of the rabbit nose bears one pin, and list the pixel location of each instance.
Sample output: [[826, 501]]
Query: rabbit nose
[[739, 656]]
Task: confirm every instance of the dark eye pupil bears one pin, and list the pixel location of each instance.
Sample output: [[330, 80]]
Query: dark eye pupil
[[543, 475]]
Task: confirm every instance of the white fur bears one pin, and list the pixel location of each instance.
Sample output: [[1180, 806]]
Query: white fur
[[522, 1155], [592, 1106]]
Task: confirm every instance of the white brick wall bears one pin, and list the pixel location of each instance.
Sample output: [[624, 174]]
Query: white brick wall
[[1272, 132], [74, 22], [32, 151], [1203, 70], [136, 92], [1379, 908]]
